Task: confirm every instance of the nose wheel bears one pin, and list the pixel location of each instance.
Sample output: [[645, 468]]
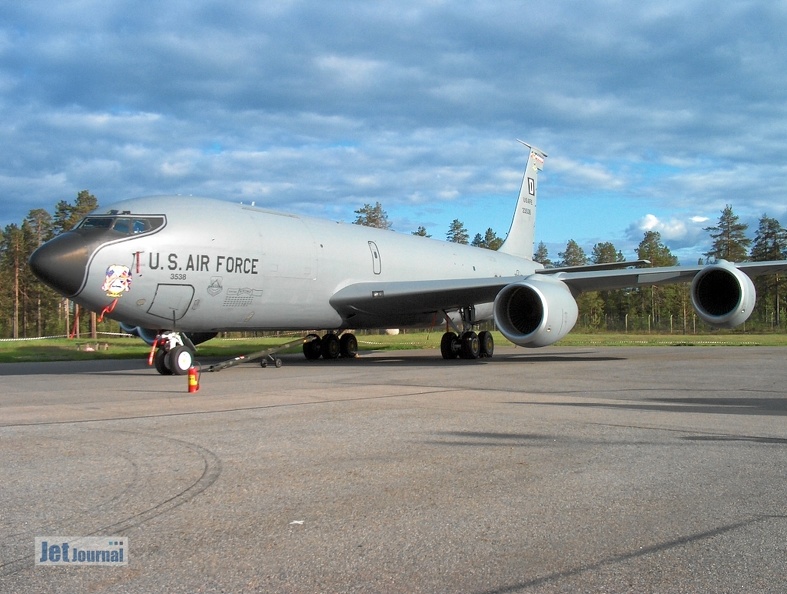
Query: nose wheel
[[172, 356]]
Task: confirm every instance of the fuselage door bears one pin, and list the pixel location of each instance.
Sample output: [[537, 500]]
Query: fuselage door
[[376, 265], [171, 302]]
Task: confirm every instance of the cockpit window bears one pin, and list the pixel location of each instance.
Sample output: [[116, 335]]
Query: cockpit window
[[122, 225], [126, 225], [96, 223]]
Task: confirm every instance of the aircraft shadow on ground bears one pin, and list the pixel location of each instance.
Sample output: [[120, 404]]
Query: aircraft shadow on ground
[[653, 549], [720, 406], [394, 358], [401, 358]]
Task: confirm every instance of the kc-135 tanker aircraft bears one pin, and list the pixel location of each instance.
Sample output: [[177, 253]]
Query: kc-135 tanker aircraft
[[177, 270]]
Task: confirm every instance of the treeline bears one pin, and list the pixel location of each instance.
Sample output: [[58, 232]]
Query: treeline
[[30, 309]]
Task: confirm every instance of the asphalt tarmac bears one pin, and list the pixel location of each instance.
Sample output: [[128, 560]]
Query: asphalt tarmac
[[557, 470]]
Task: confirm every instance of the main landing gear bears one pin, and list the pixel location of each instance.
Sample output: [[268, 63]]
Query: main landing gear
[[468, 345], [173, 355], [465, 343], [330, 346]]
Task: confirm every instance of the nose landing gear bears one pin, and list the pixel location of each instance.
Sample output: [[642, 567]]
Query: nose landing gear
[[173, 355]]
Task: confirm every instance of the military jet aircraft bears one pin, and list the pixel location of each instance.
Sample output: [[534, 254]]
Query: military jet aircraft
[[177, 270]]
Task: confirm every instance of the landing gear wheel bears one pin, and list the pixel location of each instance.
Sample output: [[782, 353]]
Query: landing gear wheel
[[449, 345], [277, 363], [179, 359], [348, 346], [487, 343], [471, 346], [330, 347], [160, 361], [311, 348]]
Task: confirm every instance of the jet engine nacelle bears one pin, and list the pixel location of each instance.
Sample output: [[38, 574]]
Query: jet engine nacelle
[[535, 312], [722, 295]]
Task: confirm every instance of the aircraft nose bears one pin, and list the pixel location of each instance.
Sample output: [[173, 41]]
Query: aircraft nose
[[61, 263]]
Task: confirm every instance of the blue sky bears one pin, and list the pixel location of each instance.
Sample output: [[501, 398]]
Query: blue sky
[[654, 114]]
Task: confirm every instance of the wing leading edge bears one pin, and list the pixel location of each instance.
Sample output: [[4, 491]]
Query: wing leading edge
[[605, 280]]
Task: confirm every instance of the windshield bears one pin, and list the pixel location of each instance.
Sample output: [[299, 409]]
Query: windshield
[[126, 225]]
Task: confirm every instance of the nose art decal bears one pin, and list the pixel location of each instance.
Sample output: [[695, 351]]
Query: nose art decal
[[117, 281]]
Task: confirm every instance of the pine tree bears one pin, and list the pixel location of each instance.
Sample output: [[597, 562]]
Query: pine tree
[[770, 243], [605, 252], [372, 216], [42, 300], [457, 232], [591, 308], [651, 248], [729, 238], [421, 232], [660, 303], [489, 241], [14, 256], [574, 255], [542, 255], [613, 303], [67, 215]]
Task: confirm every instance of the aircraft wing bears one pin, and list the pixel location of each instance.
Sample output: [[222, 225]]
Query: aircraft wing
[[605, 280], [416, 297], [421, 297]]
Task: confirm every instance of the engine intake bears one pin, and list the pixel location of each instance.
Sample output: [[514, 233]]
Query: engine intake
[[722, 295], [535, 312]]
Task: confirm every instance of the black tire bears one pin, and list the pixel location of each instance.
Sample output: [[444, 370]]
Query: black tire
[[471, 346], [277, 362], [330, 347], [160, 361], [348, 346], [311, 348], [448, 345], [487, 343], [179, 360]]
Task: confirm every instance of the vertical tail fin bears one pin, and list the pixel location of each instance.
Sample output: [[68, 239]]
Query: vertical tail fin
[[521, 235]]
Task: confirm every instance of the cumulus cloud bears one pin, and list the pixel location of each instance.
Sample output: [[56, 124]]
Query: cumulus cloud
[[675, 233]]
